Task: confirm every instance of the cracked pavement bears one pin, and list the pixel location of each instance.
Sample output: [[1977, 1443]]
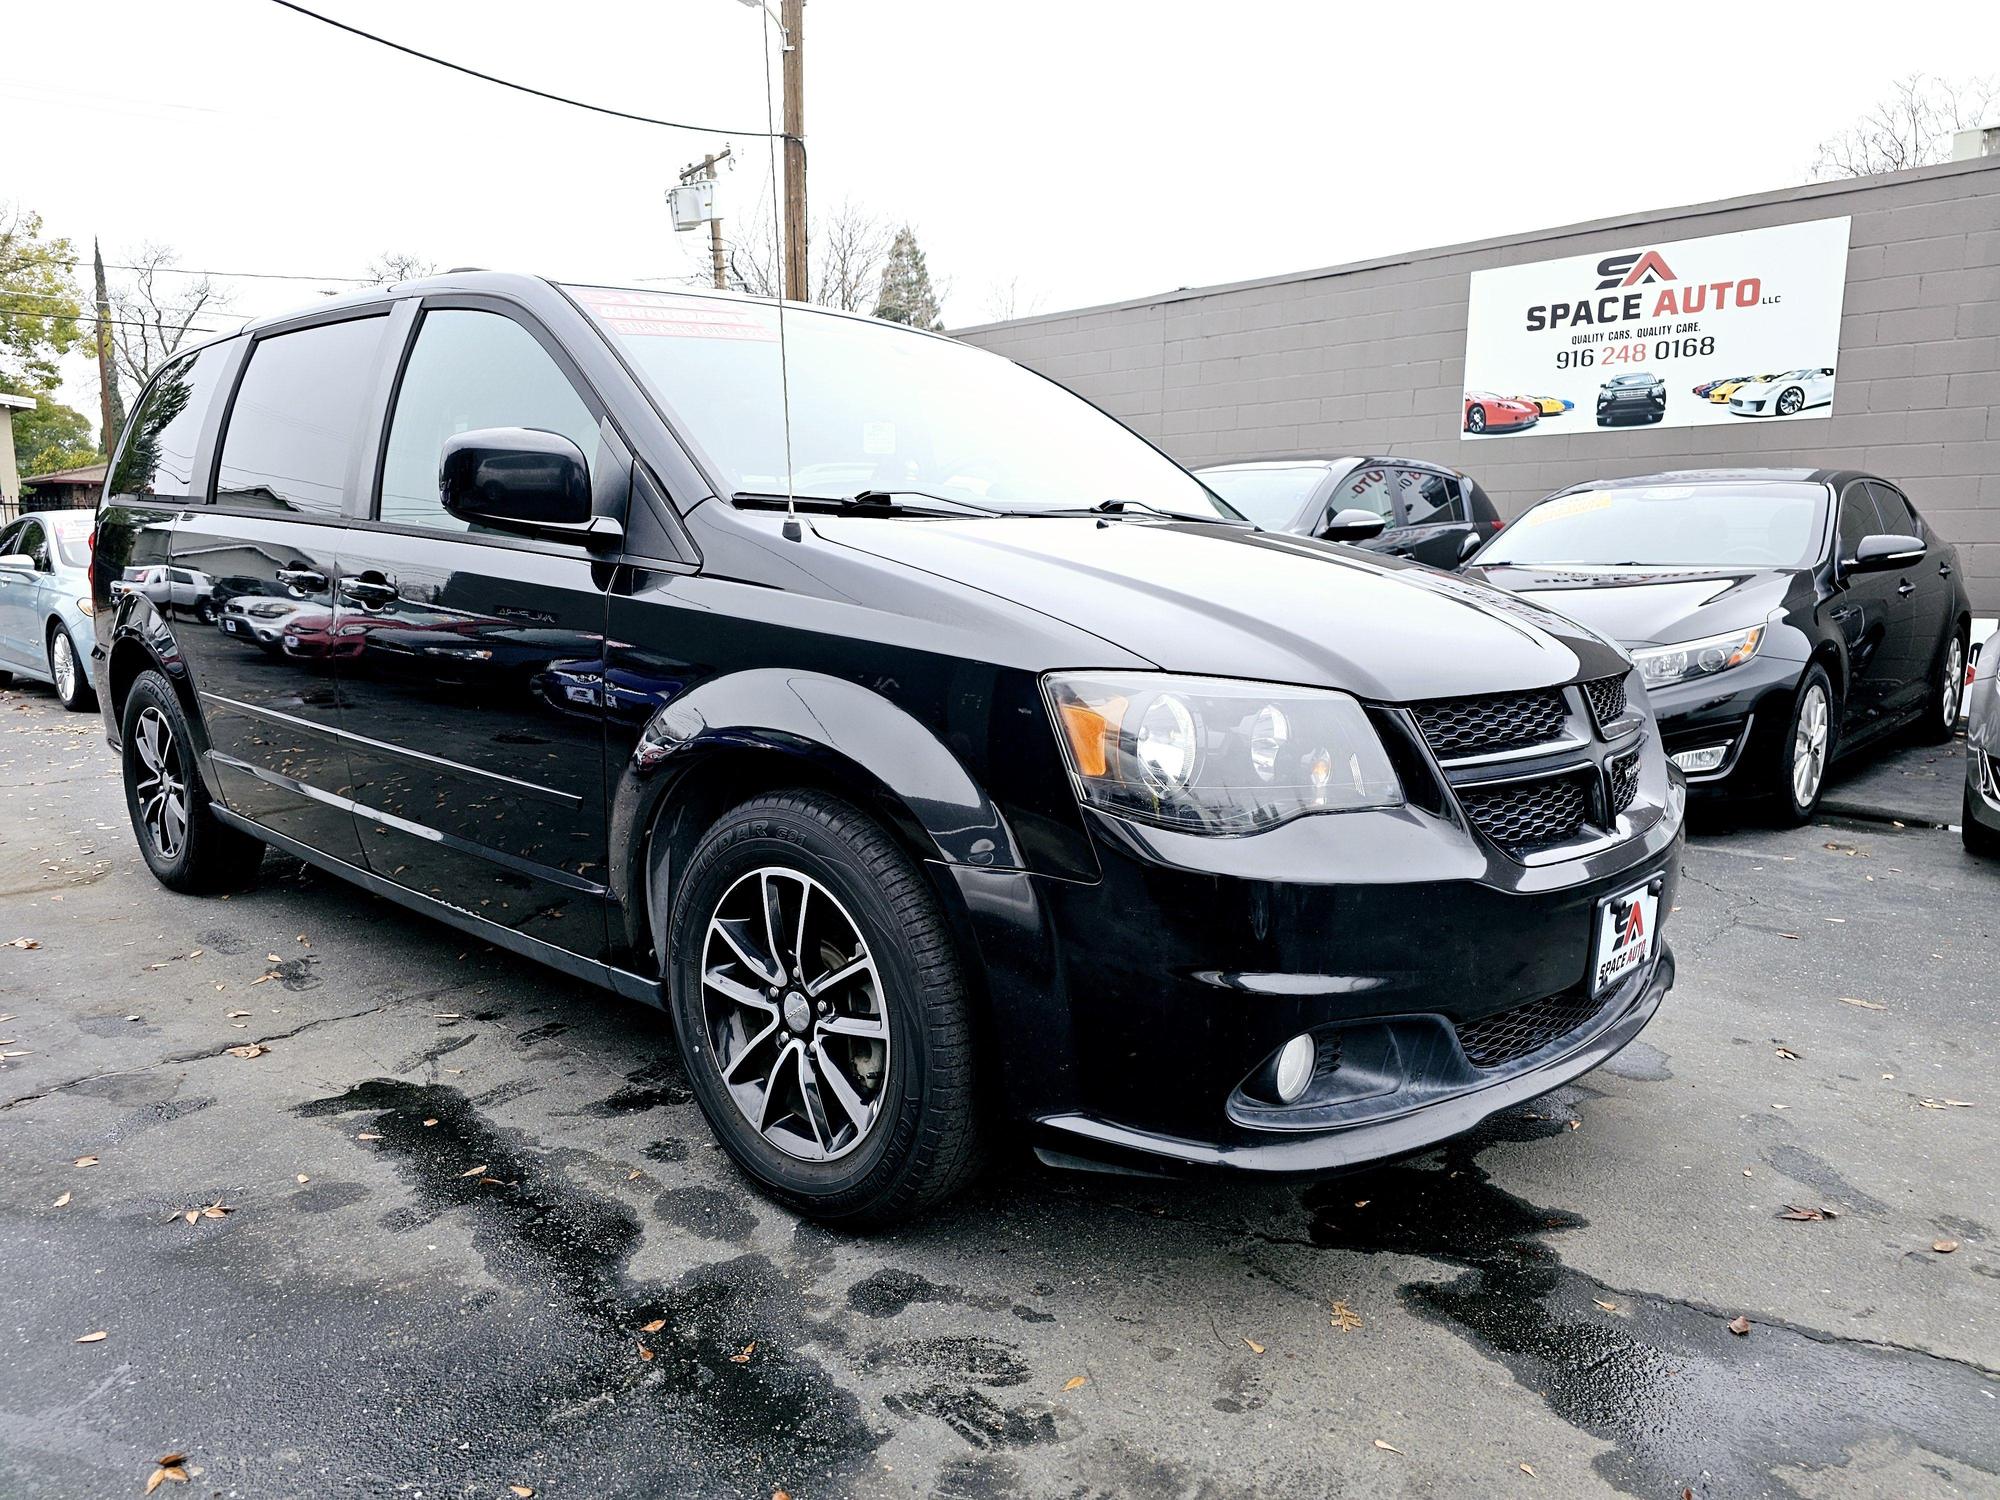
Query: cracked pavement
[[466, 1189]]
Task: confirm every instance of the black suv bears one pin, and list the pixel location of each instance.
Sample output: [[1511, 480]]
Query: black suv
[[1402, 506], [1631, 398], [944, 758]]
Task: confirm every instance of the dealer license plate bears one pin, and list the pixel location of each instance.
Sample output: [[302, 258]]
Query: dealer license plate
[[1625, 926]]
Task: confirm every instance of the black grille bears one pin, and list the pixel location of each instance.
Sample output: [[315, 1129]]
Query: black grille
[[1529, 814], [1624, 782], [1495, 1041], [1607, 699], [1486, 725]]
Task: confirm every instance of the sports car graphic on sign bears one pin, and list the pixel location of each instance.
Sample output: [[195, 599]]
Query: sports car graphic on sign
[[1783, 395], [1722, 390], [1486, 412], [1548, 406]]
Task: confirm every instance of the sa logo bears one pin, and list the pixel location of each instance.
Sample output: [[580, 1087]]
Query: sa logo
[[1632, 270], [1631, 922]]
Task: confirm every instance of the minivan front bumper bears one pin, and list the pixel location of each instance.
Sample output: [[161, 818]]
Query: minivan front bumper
[[1138, 1007]]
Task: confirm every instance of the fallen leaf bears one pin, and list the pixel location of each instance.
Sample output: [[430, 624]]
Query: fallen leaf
[[742, 1356], [1944, 1247], [1255, 1347], [429, 1123], [24, 942], [525, 1491], [1945, 1103], [780, 1495], [237, 1015], [94, 1338], [263, 978], [302, 1178], [272, 958], [61, 1202], [1790, 936], [1607, 1306], [478, 1171], [1788, 1053], [1739, 1325], [218, 1209], [86, 1161], [1076, 1382], [1345, 1318], [1389, 1448], [634, 1175], [645, 1353], [368, 1135], [1363, 1202], [164, 1473], [1805, 1215], [171, 1460], [1528, 1469], [1864, 1004], [655, 1326], [248, 1049]]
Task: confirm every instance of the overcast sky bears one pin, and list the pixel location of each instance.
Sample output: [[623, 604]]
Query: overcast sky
[[1084, 151]]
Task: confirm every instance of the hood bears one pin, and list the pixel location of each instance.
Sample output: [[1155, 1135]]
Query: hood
[[1648, 606], [1230, 602], [1754, 388]]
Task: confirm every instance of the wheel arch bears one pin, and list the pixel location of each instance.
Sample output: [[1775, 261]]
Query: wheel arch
[[141, 641]]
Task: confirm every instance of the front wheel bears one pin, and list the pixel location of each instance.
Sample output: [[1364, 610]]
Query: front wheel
[[185, 845], [1806, 750], [1475, 420], [1790, 401], [821, 1011], [67, 672], [1947, 695]]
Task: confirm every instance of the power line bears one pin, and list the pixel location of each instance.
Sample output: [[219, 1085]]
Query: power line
[[110, 322], [523, 88]]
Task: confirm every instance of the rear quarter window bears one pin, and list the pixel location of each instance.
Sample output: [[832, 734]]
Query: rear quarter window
[[156, 457]]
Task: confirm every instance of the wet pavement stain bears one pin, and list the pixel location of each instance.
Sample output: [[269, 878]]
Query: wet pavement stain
[[695, 1418], [705, 1211], [890, 1291], [659, 1084], [1686, 1403]]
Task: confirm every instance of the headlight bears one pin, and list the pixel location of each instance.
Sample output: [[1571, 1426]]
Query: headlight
[[1662, 665], [269, 610], [1210, 755]]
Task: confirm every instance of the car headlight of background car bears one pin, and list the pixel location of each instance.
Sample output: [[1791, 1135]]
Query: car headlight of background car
[[1664, 665], [1210, 755]]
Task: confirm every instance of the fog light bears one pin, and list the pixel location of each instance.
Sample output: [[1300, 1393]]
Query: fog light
[[1295, 1068], [1705, 759]]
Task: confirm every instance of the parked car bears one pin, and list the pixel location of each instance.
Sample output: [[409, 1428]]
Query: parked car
[[1403, 506], [45, 603], [1979, 825], [1548, 406], [174, 589], [1705, 389], [1486, 412], [1780, 617], [1783, 395], [261, 620], [1720, 392], [1024, 784], [1631, 398]]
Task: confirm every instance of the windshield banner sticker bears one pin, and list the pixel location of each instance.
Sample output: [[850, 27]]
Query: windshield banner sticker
[[665, 315], [1684, 333]]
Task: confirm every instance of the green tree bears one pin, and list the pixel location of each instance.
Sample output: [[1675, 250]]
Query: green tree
[[907, 295], [51, 435], [39, 307]]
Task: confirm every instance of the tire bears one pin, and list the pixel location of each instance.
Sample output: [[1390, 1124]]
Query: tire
[[1947, 694], [68, 672], [904, 1056], [1795, 396], [1979, 839], [208, 855], [1797, 792], [1475, 420]]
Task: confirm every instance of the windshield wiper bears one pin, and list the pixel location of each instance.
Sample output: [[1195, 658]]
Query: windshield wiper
[[1136, 507], [868, 502]]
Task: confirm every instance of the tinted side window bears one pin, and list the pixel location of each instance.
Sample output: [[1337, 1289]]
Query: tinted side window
[[297, 418], [34, 542], [1367, 488], [471, 369], [156, 458], [1429, 499], [1896, 515], [1858, 517]]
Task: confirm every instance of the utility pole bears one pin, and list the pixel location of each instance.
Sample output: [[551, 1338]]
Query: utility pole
[[704, 171], [112, 410], [794, 15]]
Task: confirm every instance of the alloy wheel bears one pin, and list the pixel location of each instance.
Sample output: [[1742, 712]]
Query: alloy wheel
[[1790, 402], [62, 664], [1954, 683], [161, 785], [1809, 737], [1477, 421], [796, 1014]]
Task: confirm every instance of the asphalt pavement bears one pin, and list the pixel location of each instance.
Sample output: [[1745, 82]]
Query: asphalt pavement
[[467, 1232]]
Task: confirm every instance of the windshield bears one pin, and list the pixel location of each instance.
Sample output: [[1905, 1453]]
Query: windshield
[[1272, 498], [1711, 525], [876, 407], [73, 539]]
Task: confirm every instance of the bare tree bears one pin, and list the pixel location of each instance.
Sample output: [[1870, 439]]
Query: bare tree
[[1005, 300], [393, 266], [157, 312], [849, 246], [1912, 127]]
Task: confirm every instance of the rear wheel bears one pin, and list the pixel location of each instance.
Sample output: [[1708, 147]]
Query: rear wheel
[[1475, 420], [1806, 749], [1947, 697], [821, 1011], [186, 846], [66, 671]]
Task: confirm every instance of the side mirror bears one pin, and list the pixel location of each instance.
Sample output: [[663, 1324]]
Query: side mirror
[[1471, 544], [1353, 525], [520, 479], [1883, 554], [17, 562]]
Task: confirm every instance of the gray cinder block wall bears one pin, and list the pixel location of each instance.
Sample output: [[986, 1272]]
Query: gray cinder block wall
[[1369, 358]]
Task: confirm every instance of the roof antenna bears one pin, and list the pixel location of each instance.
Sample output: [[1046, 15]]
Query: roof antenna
[[793, 531]]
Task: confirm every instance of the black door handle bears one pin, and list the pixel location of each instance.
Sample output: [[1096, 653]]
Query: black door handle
[[305, 580], [370, 592]]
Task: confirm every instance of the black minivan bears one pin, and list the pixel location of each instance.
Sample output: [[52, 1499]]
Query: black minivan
[[945, 759]]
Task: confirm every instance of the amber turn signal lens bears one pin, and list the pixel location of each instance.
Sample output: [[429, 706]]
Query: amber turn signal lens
[[1089, 733]]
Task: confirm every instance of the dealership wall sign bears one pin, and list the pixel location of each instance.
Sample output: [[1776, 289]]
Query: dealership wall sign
[[1685, 333]]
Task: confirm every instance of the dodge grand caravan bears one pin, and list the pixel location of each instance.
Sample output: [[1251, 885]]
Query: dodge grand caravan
[[945, 760]]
